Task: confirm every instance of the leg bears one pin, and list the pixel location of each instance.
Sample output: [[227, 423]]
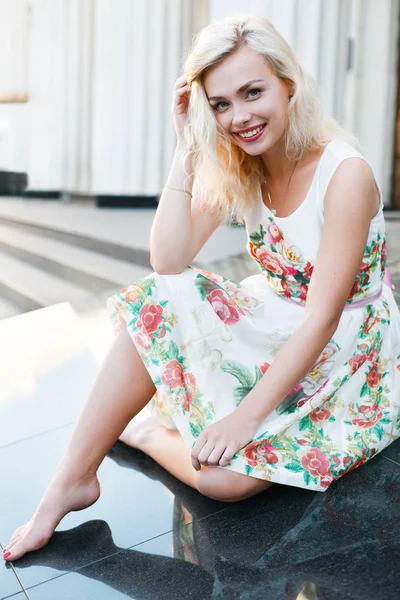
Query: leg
[[122, 388], [167, 447]]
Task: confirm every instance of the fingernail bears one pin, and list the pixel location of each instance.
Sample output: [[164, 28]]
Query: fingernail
[[7, 554]]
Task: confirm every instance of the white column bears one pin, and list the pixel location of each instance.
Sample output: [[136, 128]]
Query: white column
[[375, 91], [14, 23], [46, 112], [75, 150], [138, 50]]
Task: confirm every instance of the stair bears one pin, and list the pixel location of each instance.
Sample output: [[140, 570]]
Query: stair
[[38, 271]]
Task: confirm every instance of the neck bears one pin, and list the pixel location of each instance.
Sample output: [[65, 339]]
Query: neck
[[277, 165]]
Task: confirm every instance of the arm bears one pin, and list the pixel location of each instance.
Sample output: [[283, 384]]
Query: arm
[[350, 203], [180, 227]]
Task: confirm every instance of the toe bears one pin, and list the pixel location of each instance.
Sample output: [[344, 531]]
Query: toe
[[26, 543], [18, 550], [17, 533], [13, 542]]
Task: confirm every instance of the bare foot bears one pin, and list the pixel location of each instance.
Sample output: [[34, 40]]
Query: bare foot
[[60, 498]]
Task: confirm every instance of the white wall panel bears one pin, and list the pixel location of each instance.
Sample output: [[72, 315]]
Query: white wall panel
[[219, 9], [77, 95], [332, 46], [137, 56], [59, 113], [14, 23], [14, 27], [137, 74], [375, 89], [283, 14], [156, 95], [307, 37], [46, 92]]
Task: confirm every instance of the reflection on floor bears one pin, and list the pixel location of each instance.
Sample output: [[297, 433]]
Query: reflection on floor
[[151, 537]]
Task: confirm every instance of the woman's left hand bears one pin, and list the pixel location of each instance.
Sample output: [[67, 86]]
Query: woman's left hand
[[218, 443]]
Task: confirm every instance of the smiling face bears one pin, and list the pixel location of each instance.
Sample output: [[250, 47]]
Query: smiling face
[[249, 101]]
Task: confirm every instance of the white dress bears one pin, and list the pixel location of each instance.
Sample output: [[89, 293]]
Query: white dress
[[206, 341]]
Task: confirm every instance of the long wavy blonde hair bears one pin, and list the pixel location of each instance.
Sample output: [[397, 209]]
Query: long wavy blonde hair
[[228, 177]]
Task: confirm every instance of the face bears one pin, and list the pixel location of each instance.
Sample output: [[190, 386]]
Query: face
[[249, 101]]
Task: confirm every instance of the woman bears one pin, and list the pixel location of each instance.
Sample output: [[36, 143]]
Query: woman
[[289, 378]]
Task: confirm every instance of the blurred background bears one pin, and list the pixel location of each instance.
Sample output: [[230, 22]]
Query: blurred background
[[86, 135]]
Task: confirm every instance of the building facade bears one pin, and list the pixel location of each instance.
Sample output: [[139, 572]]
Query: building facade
[[86, 85]]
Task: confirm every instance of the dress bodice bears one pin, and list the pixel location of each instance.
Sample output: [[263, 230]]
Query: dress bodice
[[286, 248]]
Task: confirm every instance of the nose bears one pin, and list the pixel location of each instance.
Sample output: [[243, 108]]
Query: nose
[[241, 116]]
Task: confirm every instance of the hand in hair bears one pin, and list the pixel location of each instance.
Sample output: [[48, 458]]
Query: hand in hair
[[180, 105]]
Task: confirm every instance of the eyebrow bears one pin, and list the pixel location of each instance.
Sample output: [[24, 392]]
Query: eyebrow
[[240, 90]]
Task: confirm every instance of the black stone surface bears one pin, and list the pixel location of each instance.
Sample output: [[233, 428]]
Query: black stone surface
[[285, 544]]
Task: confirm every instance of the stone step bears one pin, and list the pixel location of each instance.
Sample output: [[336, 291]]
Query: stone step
[[85, 268], [120, 233], [138, 256], [29, 288], [8, 309]]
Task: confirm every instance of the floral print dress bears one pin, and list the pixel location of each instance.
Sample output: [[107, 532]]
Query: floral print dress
[[206, 341]]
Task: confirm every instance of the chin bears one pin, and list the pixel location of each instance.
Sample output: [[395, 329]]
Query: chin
[[255, 151]]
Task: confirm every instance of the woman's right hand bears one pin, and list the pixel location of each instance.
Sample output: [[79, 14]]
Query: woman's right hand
[[180, 104]]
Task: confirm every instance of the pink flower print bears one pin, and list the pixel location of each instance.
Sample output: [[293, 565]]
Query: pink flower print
[[372, 415], [308, 270], [303, 292], [286, 289], [316, 463], [173, 375], [274, 234], [319, 414], [256, 450], [150, 317], [223, 306], [271, 262], [356, 362]]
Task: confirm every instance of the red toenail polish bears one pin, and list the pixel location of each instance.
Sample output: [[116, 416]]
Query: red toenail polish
[[7, 554]]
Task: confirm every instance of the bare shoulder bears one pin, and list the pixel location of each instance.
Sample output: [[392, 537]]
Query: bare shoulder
[[352, 189]]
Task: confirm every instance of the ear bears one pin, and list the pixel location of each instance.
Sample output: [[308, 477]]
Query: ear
[[290, 88]]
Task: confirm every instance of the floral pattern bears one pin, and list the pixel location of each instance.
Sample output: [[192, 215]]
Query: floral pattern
[[289, 273], [206, 341]]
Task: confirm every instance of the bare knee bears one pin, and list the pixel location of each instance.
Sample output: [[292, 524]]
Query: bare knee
[[227, 486]]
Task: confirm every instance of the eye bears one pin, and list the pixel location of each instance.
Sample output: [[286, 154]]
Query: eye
[[254, 92], [218, 106]]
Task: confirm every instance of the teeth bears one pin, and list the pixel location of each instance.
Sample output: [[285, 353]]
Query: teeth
[[250, 133]]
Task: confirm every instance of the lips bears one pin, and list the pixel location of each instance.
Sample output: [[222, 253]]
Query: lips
[[251, 134]]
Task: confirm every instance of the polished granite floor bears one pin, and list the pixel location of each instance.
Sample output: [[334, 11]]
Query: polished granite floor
[[151, 537]]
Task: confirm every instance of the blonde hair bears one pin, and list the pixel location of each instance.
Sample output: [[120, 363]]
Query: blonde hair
[[228, 177]]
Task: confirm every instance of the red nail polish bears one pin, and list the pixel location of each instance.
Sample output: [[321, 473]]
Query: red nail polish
[[7, 554]]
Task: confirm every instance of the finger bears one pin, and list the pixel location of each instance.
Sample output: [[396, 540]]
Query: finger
[[227, 456], [182, 91], [181, 81], [205, 452], [216, 455], [195, 463], [201, 441]]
